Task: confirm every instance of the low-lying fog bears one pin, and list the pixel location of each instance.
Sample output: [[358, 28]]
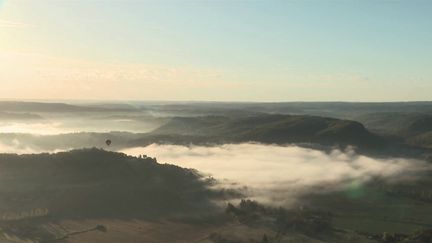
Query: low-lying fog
[[61, 126], [278, 173], [270, 172]]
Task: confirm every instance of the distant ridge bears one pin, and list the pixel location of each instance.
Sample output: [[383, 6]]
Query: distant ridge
[[21, 106], [272, 129]]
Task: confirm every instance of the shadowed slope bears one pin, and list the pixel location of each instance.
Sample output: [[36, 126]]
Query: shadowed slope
[[92, 182], [272, 129]]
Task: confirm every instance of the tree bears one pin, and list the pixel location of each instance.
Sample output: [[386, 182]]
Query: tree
[[265, 239]]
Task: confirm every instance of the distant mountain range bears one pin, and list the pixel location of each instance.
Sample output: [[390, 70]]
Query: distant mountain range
[[327, 109], [366, 125], [12, 116], [268, 129], [34, 107]]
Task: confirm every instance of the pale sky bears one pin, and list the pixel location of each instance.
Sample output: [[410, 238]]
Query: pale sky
[[219, 50]]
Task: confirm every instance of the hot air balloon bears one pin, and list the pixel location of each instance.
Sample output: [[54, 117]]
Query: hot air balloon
[[108, 142]]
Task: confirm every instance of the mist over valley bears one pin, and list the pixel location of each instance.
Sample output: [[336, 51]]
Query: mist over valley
[[194, 159]]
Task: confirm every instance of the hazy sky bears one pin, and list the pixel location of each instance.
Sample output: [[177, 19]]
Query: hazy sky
[[216, 50]]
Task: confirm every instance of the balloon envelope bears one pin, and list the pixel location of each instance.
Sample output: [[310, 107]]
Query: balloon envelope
[[108, 142]]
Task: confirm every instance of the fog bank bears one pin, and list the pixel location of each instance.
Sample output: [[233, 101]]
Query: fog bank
[[280, 172]]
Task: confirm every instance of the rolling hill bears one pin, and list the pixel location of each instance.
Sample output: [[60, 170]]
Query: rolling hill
[[271, 129], [93, 183], [414, 128]]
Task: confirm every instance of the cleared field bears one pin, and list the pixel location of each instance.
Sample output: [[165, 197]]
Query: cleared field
[[131, 231]]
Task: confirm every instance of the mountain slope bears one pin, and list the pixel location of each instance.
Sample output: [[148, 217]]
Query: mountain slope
[[92, 183], [414, 128], [271, 129]]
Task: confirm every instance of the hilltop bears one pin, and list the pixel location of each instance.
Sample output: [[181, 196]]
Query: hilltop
[[94, 182], [413, 128], [272, 129]]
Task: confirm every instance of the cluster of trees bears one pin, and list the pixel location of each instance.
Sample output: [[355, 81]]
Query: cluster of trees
[[416, 192], [94, 182], [420, 236], [33, 213], [308, 222]]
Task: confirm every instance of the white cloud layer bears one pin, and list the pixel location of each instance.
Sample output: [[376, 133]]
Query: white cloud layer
[[278, 173]]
